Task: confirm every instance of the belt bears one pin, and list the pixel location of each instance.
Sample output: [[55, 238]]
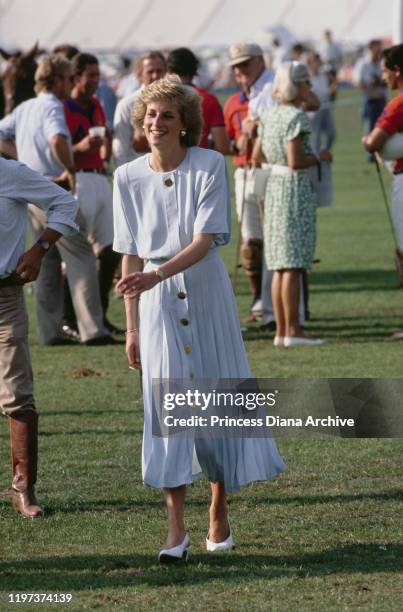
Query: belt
[[11, 281], [277, 170], [92, 170]]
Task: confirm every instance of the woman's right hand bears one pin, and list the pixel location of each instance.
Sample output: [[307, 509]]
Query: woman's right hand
[[133, 350]]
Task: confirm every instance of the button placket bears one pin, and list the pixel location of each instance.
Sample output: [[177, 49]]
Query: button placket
[[182, 308]]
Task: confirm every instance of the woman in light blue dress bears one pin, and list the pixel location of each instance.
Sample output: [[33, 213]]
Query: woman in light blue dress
[[171, 209]]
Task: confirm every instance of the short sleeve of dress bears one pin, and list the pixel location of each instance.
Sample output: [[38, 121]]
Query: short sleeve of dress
[[298, 125], [213, 214], [123, 215]]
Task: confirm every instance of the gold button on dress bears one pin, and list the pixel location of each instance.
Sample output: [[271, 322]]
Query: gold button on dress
[[169, 182], [188, 349], [181, 295], [184, 321]]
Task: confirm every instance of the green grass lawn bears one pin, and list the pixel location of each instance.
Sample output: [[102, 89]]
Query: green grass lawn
[[327, 534]]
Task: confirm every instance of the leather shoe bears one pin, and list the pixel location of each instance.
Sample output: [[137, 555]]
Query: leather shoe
[[70, 333], [177, 553]]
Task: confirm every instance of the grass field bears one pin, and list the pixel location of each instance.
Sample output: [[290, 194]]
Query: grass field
[[327, 534]]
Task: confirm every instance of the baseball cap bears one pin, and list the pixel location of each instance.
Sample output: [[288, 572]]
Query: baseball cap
[[299, 72], [243, 52]]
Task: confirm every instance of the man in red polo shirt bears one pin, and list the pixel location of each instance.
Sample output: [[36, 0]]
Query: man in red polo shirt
[[389, 123], [185, 64], [92, 149]]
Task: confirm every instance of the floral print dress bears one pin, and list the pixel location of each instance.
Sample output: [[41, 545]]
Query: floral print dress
[[290, 203]]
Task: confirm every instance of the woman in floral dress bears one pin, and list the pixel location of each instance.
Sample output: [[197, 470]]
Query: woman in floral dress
[[290, 207]]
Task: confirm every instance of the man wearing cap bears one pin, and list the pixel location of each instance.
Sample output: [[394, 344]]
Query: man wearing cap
[[241, 114], [18, 186]]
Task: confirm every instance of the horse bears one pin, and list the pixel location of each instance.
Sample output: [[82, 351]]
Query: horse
[[18, 77]]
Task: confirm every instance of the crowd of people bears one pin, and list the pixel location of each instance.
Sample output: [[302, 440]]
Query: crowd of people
[[170, 215]]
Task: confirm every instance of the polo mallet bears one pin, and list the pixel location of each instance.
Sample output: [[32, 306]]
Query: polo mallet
[[385, 199]]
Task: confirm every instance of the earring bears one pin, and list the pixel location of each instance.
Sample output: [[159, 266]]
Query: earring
[[183, 132], [143, 126]]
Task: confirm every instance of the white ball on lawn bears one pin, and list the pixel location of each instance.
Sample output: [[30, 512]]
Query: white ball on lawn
[[393, 147]]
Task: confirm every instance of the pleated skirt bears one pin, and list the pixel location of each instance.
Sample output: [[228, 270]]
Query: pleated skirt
[[189, 329]]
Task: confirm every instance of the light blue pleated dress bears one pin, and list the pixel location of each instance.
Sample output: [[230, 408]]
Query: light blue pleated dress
[[156, 215]]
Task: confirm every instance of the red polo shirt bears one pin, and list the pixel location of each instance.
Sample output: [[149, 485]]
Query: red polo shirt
[[235, 110], [391, 121], [79, 120], [212, 114]]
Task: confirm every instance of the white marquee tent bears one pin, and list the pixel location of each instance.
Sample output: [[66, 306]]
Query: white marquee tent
[[129, 24]]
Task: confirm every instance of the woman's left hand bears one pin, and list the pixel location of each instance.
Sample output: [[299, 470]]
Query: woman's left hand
[[137, 282]]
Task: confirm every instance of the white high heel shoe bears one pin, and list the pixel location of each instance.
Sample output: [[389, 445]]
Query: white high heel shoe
[[177, 553], [278, 341], [221, 546]]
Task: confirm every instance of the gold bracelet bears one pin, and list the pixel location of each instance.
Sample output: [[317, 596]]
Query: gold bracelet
[[129, 331], [128, 297]]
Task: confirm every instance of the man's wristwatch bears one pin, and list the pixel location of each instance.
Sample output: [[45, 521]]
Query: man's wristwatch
[[44, 244]]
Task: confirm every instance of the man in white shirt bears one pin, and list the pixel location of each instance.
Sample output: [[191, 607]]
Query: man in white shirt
[[242, 112], [42, 141], [128, 144], [18, 186]]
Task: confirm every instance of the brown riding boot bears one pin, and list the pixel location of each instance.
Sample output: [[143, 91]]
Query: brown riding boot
[[399, 266], [24, 460]]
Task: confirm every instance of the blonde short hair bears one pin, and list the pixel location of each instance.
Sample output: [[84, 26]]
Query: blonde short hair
[[284, 89], [186, 100], [50, 67]]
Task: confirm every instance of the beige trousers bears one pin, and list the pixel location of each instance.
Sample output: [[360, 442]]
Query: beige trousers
[[82, 276], [16, 382]]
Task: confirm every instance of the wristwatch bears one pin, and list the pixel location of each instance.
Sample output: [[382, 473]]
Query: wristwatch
[[159, 273], [44, 244]]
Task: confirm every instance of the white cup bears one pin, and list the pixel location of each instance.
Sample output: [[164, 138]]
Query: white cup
[[98, 130]]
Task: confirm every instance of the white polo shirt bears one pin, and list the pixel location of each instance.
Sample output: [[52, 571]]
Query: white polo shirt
[[122, 143], [19, 185], [32, 124]]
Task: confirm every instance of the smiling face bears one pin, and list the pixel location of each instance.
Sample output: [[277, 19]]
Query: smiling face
[[87, 82], [162, 124]]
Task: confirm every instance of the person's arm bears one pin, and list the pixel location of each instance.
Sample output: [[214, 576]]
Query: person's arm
[[106, 149], [297, 159], [375, 140], [130, 265], [221, 140], [61, 151], [29, 264], [311, 103], [258, 157], [135, 283], [88, 143], [7, 147]]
